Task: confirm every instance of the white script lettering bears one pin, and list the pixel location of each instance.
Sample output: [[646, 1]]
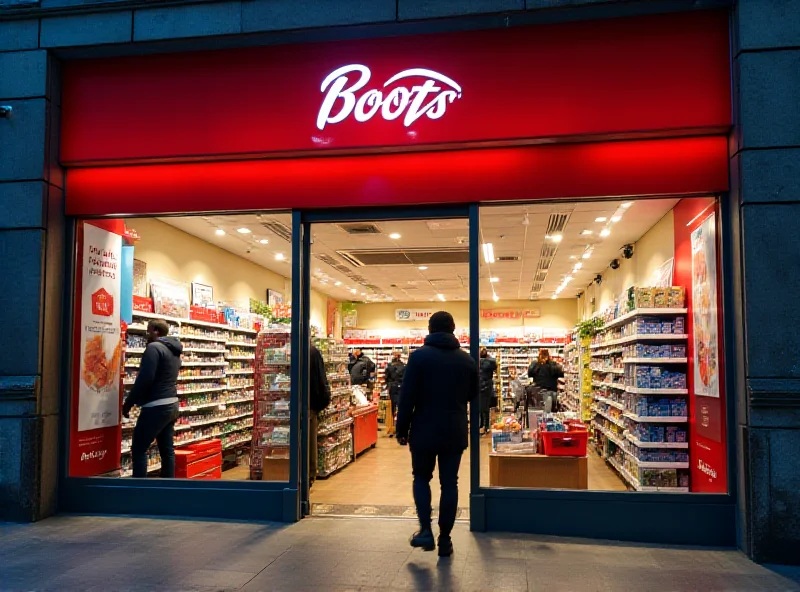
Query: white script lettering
[[428, 99]]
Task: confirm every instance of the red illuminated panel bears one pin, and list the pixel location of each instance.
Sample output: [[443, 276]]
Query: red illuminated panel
[[658, 74], [637, 168]]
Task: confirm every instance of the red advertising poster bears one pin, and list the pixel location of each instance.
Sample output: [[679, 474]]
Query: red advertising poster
[[97, 381], [696, 265]]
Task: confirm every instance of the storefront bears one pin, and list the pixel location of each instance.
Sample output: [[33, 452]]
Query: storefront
[[398, 130]]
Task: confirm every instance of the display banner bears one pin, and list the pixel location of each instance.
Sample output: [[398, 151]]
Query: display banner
[[511, 314], [704, 309], [412, 314], [101, 347]]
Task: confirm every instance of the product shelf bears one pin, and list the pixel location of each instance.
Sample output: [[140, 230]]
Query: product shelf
[[199, 350], [655, 361], [134, 350], [643, 312], [239, 372], [336, 427], [641, 337], [647, 391], [240, 357], [196, 364], [656, 419], [217, 376], [239, 343], [619, 387], [607, 401], [202, 338], [641, 444], [609, 417], [219, 326], [199, 391]]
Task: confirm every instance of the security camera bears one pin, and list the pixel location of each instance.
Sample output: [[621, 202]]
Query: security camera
[[598, 279], [627, 251], [614, 264]]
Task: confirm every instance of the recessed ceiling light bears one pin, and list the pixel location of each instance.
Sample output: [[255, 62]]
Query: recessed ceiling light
[[601, 219], [627, 204], [586, 255], [578, 265], [605, 232], [422, 267], [616, 218], [243, 230], [556, 238], [394, 236], [585, 232], [219, 232], [573, 256], [353, 291], [441, 297], [337, 284], [264, 241], [488, 253], [567, 279], [495, 298], [494, 279], [363, 293], [279, 256], [554, 296]]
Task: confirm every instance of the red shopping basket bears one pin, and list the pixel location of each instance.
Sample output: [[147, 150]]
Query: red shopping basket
[[565, 443]]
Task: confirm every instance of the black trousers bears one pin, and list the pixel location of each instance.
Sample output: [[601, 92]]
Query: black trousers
[[485, 403], [155, 423], [422, 463]]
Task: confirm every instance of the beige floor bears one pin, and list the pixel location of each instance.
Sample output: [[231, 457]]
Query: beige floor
[[382, 476]]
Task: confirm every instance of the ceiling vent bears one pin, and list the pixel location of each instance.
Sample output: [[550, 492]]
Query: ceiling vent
[[374, 257], [360, 228], [279, 229], [507, 258], [557, 223]]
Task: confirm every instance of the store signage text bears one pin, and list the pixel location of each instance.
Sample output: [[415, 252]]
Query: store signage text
[[410, 314], [511, 314], [706, 468], [427, 99]]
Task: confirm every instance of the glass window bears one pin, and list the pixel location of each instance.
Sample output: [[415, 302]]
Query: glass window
[[182, 348], [601, 338]]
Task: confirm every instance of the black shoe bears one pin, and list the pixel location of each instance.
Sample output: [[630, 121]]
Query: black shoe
[[423, 539], [445, 545]]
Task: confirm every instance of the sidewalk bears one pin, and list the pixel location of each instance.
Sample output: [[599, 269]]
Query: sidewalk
[[326, 554]]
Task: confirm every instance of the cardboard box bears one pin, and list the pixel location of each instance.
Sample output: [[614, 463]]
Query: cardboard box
[[538, 471], [275, 469]]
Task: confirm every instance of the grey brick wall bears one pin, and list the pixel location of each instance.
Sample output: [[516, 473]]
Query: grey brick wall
[[765, 165]]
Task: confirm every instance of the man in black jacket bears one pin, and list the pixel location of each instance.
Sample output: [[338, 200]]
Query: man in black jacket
[[439, 381], [319, 398], [361, 369], [156, 393], [394, 379]]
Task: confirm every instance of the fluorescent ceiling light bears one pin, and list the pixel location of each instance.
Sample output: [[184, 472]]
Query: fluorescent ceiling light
[[219, 232], [556, 238], [264, 241], [578, 265], [616, 218], [353, 291], [605, 232], [495, 297], [586, 255], [494, 280], [567, 279], [554, 296], [337, 284], [394, 236], [601, 219], [627, 204], [441, 297], [279, 257], [363, 293], [243, 230], [422, 267], [488, 253], [587, 232]]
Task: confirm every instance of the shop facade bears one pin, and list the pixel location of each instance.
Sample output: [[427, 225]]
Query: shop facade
[[430, 126]]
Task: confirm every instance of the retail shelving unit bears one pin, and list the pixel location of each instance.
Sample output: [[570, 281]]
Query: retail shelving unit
[[519, 356], [638, 376], [570, 386], [334, 437], [215, 383]]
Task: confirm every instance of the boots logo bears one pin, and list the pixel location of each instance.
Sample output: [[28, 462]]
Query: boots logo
[[430, 98], [705, 468]]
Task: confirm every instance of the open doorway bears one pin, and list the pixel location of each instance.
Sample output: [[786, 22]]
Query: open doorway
[[396, 273]]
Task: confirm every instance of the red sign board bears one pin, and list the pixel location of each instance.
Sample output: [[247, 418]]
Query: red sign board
[[102, 303], [510, 314], [142, 304], [659, 74]]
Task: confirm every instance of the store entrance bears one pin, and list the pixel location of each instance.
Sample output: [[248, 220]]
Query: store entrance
[[397, 269]]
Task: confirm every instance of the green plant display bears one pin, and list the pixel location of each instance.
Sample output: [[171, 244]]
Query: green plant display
[[590, 327]]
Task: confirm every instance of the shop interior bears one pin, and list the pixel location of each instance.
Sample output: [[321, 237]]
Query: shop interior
[[601, 286]]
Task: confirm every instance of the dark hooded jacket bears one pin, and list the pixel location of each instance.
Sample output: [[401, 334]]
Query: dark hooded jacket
[[546, 375], [361, 370], [487, 366], [158, 372], [439, 380], [319, 387], [394, 376]]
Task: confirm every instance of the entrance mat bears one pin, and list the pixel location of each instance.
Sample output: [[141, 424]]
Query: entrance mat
[[376, 511]]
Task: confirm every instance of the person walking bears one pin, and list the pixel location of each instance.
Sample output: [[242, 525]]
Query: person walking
[[319, 399], [440, 380], [393, 376], [487, 367], [545, 374], [155, 391]]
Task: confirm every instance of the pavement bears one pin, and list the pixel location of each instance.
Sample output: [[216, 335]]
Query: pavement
[[113, 553]]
